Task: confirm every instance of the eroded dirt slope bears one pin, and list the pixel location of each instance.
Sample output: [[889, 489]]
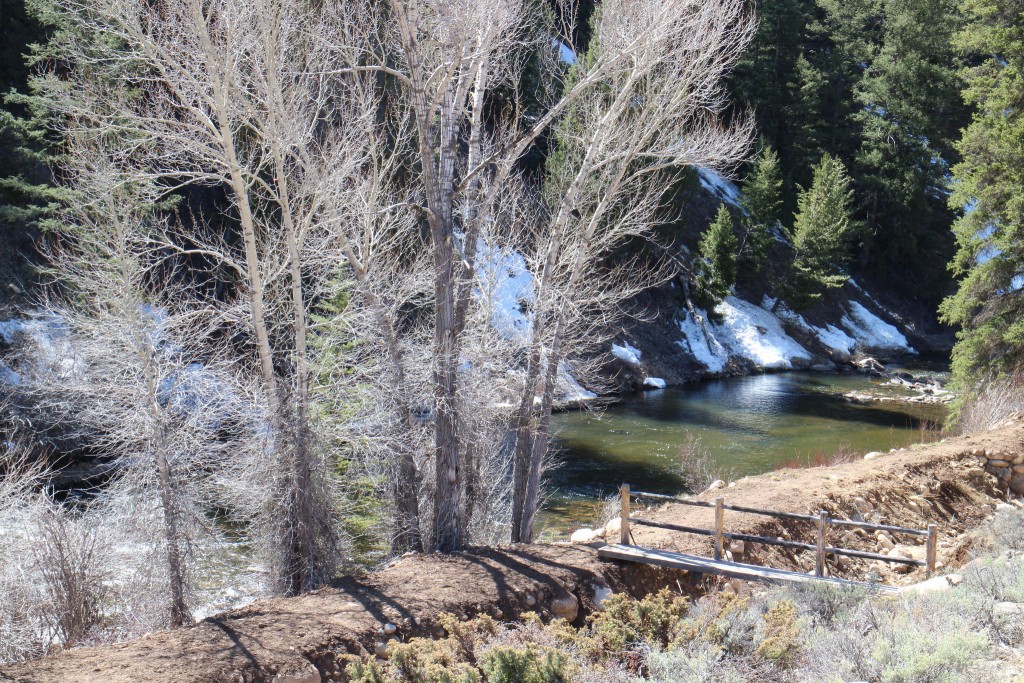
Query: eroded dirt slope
[[299, 639]]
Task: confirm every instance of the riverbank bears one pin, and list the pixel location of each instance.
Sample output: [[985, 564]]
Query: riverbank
[[300, 639]]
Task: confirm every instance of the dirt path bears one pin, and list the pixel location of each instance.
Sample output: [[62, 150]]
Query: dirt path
[[284, 639], [938, 483]]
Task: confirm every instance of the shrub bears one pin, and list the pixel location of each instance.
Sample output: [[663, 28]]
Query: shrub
[[697, 662], [526, 665], [780, 631], [696, 468], [626, 623], [990, 402]]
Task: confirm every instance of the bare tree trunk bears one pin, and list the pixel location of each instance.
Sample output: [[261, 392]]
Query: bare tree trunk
[[180, 615]]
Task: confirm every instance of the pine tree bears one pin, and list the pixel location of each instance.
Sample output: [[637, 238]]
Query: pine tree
[[909, 114], [989, 304], [716, 270], [762, 201], [822, 231]]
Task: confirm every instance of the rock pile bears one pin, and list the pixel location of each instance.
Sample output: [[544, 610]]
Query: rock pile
[[1006, 466]]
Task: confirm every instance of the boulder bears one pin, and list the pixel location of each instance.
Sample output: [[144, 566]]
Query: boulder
[[1009, 609], [715, 485], [309, 674], [872, 455], [936, 584], [565, 606], [1017, 484], [862, 505], [601, 593], [612, 529], [583, 536]]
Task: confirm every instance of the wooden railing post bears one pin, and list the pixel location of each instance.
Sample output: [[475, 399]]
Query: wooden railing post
[[624, 527], [819, 561], [930, 547], [719, 525]]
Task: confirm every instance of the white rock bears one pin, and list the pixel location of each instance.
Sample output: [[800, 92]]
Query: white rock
[[936, 584], [716, 485], [612, 528], [389, 629], [872, 455], [601, 593], [583, 536], [1009, 609]]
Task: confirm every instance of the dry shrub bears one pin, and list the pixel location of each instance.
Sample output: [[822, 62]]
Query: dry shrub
[[69, 569], [696, 467], [994, 400], [819, 458]]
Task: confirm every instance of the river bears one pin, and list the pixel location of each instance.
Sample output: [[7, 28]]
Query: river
[[748, 425]]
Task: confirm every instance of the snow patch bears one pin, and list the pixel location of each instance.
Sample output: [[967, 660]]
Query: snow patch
[[569, 389], [626, 353], [725, 190], [654, 383], [870, 331], [507, 284], [747, 331], [830, 336], [704, 348]]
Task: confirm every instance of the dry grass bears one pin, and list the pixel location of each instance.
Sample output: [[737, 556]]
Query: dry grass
[[820, 458], [993, 401]]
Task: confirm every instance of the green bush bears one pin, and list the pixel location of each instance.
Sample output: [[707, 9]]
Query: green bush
[[526, 665]]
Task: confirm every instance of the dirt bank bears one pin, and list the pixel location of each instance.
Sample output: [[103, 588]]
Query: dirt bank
[[284, 639], [943, 483]]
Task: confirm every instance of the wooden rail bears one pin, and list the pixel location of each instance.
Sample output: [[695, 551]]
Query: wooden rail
[[819, 547]]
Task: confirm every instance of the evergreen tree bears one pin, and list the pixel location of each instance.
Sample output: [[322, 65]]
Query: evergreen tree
[[822, 230], [716, 270], [989, 304], [909, 114], [762, 201]]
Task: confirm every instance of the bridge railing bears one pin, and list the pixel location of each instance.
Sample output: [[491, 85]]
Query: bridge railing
[[819, 547]]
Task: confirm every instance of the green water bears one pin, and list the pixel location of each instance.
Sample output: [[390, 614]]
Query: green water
[[748, 425]]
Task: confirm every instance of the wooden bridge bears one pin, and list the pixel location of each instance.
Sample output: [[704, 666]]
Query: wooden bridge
[[718, 565]]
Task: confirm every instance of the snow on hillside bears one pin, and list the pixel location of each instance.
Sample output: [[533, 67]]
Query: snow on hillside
[[830, 336], [507, 284], [626, 353], [747, 331], [752, 333], [725, 190], [872, 332]]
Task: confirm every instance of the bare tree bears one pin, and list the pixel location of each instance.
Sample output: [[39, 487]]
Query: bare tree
[[242, 97], [648, 98], [378, 148]]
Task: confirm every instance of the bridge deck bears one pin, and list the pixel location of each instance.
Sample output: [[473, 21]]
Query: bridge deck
[[705, 565]]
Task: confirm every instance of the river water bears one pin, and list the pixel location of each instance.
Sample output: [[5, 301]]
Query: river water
[[748, 425]]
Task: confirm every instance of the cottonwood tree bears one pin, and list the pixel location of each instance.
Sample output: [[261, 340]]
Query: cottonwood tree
[[336, 132], [123, 365], [244, 98], [647, 98]]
